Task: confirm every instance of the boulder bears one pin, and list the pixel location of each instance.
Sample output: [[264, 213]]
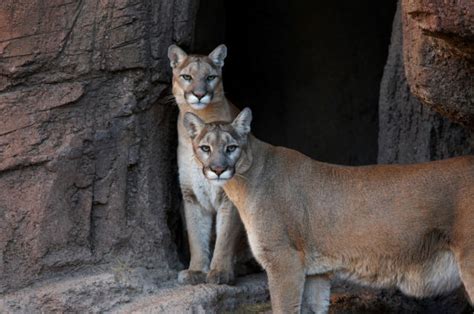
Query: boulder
[[410, 131], [438, 50]]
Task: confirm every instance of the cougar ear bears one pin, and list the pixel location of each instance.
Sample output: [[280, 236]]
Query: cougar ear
[[218, 55], [242, 122], [193, 124], [176, 55]]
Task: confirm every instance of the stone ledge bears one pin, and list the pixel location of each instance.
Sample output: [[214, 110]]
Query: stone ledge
[[124, 290], [137, 291], [202, 298]]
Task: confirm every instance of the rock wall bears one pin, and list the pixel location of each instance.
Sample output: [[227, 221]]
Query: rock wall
[[87, 136], [408, 130], [439, 56]]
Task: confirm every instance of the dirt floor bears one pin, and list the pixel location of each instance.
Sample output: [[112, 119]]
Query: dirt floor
[[346, 298]]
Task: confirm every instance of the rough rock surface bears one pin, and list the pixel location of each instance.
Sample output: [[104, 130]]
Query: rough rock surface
[[439, 55], [133, 291], [87, 144], [409, 131], [202, 298]]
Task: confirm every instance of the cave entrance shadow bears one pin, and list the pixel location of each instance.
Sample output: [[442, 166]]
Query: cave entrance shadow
[[309, 70]]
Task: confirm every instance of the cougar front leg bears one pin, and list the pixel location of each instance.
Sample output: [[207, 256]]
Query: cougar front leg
[[316, 294], [286, 282], [228, 230], [199, 225]]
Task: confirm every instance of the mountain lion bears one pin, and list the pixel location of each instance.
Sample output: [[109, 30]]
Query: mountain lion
[[198, 88], [409, 226]]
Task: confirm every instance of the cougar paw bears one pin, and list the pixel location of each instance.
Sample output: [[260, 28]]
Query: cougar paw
[[220, 277], [191, 277]]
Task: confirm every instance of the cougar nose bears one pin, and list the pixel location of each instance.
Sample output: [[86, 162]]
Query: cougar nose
[[199, 95], [218, 170]]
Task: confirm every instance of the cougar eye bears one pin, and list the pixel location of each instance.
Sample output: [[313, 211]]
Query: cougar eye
[[211, 78], [231, 148], [205, 148], [186, 77]]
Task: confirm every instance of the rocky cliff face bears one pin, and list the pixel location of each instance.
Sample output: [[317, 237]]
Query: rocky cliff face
[[409, 130], [88, 180], [439, 54], [87, 151]]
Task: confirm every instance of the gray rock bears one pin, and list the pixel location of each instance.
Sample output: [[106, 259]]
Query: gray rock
[[126, 290], [409, 131], [87, 143]]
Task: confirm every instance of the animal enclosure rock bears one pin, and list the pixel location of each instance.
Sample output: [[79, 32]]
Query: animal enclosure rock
[[438, 52], [409, 131], [87, 146]]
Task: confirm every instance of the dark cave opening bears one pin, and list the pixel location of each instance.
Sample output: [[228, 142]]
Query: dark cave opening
[[309, 70]]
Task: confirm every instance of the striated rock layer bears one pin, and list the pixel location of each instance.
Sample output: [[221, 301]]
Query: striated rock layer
[[87, 145]]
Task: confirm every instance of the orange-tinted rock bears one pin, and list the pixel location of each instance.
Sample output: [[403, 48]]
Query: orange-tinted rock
[[410, 131], [439, 54], [87, 148]]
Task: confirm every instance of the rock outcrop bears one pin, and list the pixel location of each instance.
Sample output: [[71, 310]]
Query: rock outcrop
[[409, 131], [439, 55], [87, 137]]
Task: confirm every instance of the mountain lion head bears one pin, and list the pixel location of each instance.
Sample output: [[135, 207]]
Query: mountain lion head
[[220, 147], [197, 79]]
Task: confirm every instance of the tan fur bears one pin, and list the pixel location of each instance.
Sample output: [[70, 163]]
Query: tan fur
[[203, 201], [409, 226]]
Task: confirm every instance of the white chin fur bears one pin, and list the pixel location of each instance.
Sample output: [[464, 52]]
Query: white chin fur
[[206, 99], [218, 182], [226, 175], [223, 178], [211, 175], [197, 104]]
